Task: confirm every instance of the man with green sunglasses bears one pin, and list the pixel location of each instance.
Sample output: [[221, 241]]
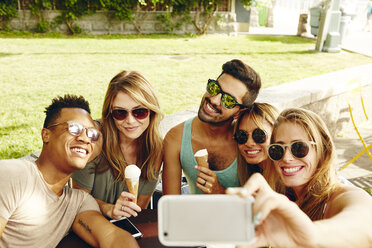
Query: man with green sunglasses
[[236, 88]]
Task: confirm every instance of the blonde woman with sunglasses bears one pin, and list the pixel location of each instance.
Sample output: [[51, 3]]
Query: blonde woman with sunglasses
[[252, 134], [325, 212], [130, 125]]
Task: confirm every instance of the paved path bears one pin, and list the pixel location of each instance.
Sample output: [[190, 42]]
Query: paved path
[[358, 41], [355, 39], [348, 146]]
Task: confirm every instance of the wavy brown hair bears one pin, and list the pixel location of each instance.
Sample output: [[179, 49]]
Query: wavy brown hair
[[324, 181], [151, 143], [259, 112]]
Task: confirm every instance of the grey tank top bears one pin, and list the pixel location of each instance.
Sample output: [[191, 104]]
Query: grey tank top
[[227, 177]]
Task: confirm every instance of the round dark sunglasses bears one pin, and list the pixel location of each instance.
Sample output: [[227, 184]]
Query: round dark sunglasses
[[121, 114], [258, 135], [299, 149], [76, 129], [227, 100]]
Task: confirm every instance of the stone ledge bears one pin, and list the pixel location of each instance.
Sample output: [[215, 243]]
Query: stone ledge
[[328, 95], [314, 89]]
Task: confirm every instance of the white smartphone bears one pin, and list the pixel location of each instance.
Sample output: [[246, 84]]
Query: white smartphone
[[200, 220], [127, 225]]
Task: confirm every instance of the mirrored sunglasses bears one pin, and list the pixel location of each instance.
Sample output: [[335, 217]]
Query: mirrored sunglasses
[[76, 129], [258, 135], [227, 100], [299, 149], [121, 114]]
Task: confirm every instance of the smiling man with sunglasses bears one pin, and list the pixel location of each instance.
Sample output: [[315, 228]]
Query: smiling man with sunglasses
[[36, 208], [236, 88]]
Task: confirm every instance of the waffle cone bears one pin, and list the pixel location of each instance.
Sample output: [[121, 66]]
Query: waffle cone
[[202, 161], [132, 187]]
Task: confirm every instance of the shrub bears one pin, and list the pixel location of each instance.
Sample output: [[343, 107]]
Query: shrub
[[72, 10], [8, 10]]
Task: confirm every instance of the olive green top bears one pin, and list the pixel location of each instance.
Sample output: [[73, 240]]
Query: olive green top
[[103, 185]]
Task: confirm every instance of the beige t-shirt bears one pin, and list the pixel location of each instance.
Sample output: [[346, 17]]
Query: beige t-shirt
[[36, 216]]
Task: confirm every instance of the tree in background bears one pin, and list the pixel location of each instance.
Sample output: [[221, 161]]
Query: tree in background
[[37, 7], [72, 10], [8, 10], [199, 13], [134, 11], [204, 12]]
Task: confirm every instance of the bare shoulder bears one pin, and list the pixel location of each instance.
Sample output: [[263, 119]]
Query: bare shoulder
[[347, 191], [174, 135], [347, 196]]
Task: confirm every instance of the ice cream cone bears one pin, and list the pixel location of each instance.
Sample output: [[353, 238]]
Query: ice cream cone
[[201, 157], [132, 175], [132, 184]]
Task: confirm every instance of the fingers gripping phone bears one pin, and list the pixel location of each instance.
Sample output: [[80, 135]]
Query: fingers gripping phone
[[127, 225], [197, 220]]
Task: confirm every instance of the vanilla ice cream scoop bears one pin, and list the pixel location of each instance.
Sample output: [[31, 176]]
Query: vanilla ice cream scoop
[[201, 157], [132, 174], [132, 171], [201, 153]]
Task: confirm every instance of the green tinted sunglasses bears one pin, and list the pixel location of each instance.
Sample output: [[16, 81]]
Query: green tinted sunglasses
[[227, 100]]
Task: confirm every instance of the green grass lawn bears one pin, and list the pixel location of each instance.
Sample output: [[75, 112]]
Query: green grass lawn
[[35, 69]]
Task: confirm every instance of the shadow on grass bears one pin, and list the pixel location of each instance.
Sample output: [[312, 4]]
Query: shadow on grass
[[5, 130], [281, 38], [8, 54]]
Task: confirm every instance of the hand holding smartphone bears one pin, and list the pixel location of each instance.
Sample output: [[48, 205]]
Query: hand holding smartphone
[[196, 220]]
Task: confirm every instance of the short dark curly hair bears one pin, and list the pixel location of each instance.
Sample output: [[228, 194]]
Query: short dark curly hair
[[67, 101], [239, 70]]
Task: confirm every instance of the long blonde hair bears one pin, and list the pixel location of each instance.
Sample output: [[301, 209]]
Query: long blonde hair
[[324, 181], [259, 113], [139, 88]]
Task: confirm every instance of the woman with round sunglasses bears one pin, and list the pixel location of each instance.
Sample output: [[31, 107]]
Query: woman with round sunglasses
[[130, 126], [325, 212], [252, 134]]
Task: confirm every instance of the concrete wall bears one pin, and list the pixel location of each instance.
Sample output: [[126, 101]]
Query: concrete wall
[[224, 22]]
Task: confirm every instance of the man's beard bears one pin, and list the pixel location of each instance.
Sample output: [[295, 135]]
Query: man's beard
[[215, 122]]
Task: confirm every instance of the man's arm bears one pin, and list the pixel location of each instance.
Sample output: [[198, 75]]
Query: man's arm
[[97, 231], [172, 170], [2, 226]]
